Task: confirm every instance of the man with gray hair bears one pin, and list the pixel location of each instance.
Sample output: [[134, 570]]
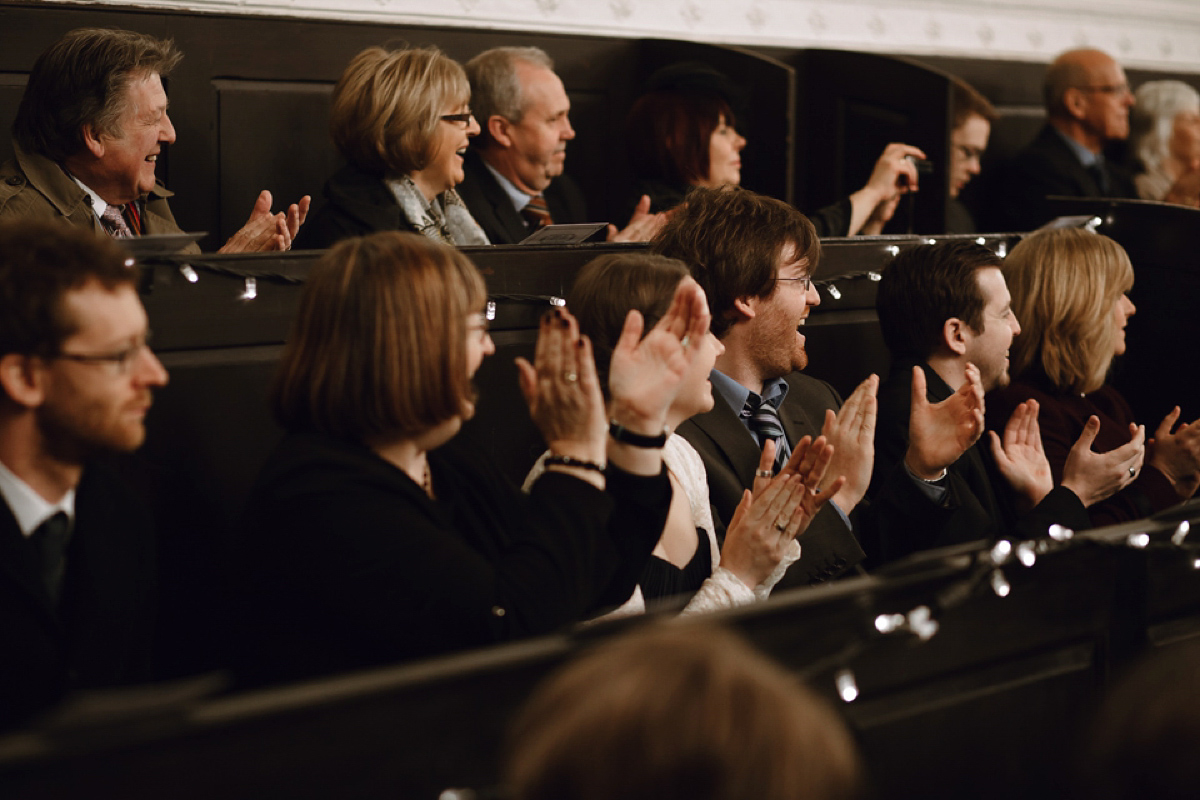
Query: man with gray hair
[[87, 137], [514, 169]]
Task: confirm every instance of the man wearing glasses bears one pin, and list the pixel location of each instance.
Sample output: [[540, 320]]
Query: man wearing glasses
[[754, 257], [1087, 105], [76, 548]]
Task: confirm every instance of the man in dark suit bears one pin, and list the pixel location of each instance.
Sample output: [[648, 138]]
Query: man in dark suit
[[514, 169], [76, 550], [946, 316], [1087, 106], [754, 256]]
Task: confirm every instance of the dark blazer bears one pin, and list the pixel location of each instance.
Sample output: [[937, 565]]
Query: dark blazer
[[1049, 167], [346, 563], [494, 211], [100, 633], [730, 455], [978, 503], [355, 203]]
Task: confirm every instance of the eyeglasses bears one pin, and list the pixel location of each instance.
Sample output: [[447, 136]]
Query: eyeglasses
[[464, 118], [804, 283], [121, 360], [1106, 88]]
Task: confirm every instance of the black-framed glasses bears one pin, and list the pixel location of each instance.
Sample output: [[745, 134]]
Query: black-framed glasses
[[465, 118], [121, 360], [804, 282]]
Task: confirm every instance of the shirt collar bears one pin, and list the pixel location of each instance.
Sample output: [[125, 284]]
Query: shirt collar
[[518, 198], [99, 206], [29, 507], [735, 395], [1085, 156]]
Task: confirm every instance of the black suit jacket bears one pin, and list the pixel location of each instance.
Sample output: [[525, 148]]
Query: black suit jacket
[[1049, 167], [730, 455], [100, 633], [978, 503], [494, 211]]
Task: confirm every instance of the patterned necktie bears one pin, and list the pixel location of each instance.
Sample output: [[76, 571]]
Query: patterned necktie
[[537, 213], [50, 541], [764, 421], [115, 222]]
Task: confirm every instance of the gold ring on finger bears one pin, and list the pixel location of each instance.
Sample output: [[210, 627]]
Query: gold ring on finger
[[763, 473], [570, 377], [779, 526]]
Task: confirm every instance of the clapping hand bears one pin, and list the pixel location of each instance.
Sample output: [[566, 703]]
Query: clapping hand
[[1096, 476], [939, 433], [266, 230], [1020, 456], [1177, 454], [851, 434]]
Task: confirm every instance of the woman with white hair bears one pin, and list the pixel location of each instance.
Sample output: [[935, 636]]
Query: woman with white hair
[[1166, 138]]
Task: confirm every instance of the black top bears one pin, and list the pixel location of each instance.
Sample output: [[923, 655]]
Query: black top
[[356, 203], [662, 580], [832, 220], [346, 562]]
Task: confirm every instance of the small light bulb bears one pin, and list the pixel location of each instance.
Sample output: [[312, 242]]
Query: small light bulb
[[847, 687]]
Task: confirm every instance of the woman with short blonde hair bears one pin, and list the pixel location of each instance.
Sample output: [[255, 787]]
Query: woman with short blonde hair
[[401, 120], [1069, 292]]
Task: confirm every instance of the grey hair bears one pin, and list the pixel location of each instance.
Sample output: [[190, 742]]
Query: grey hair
[[1153, 118], [495, 89]]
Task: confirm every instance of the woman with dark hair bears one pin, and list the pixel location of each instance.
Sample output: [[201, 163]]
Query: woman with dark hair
[[370, 537], [760, 543], [402, 121], [1070, 294], [682, 134]]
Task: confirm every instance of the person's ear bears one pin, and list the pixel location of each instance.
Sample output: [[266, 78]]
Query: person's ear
[[744, 308], [954, 336], [92, 141], [22, 378], [499, 128], [1075, 102]]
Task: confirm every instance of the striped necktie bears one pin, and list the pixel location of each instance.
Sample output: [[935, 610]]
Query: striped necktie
[[114, 222], [764, 421], [537, 213]]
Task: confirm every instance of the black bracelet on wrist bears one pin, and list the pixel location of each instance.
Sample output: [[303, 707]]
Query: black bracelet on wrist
[[625, 436], [555, 460]]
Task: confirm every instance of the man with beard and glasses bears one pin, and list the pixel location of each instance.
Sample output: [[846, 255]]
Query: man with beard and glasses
[[76, 547]]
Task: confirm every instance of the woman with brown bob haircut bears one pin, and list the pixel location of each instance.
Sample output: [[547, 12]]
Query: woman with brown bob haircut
[[1069, 292], [679, 712], [401, 120], [371, 538]]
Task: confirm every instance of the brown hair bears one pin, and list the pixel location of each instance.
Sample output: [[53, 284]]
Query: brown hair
[[82, 79], [732, 240], [668, 134], [966, 101], [609, 286], [378, 348], [387, 105], [1064, 285], [679, 711], [40, 261]]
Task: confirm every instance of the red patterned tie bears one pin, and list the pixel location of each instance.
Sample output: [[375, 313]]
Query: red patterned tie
[[115, 222], [536, 213]]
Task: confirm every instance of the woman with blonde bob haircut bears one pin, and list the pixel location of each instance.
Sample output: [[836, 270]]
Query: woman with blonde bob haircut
[[1069, 292], [370, 537], [401, 120]]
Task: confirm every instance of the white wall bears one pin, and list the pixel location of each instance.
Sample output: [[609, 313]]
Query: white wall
[[1145, 33]]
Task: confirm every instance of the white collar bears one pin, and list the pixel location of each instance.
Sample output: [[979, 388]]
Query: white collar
[[29, 507], [99, 206]]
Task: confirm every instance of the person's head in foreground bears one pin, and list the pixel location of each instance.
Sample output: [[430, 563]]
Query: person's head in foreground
[[679, 711]]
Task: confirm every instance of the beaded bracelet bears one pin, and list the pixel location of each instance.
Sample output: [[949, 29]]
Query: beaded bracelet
[[555, 460]]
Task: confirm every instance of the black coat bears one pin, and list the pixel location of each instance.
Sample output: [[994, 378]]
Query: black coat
[[356, 203], [347, 563], [100, 633], [493, 210]]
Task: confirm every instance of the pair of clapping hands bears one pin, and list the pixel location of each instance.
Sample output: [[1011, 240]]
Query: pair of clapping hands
[[939, 433]]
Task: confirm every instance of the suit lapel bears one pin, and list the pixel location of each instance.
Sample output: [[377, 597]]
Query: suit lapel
[[796, 422], [731, 438], [503, 217], [19, 565]]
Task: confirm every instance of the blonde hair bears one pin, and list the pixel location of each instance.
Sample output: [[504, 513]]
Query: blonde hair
[[378, 348], [387, 104], [679, 711], [1064, 285]]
